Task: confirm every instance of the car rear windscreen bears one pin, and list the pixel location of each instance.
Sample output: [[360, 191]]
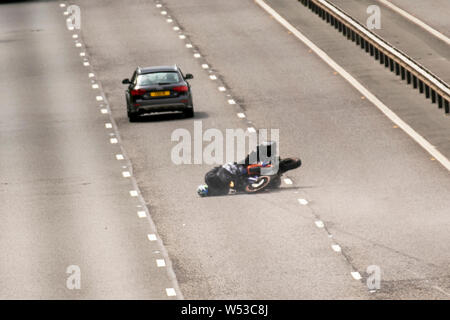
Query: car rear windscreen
[[158, 78]]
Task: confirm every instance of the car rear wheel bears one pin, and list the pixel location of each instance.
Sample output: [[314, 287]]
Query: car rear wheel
[[132, 117], [189, 113]]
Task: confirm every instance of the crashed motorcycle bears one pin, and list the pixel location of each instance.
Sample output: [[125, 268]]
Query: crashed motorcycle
[[246, 178]]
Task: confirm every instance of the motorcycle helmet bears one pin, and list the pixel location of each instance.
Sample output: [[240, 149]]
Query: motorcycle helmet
[[202, 190]]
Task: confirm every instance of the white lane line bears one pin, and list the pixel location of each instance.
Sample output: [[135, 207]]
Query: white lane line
[[91, 75], [169, 20], [288, 181], [231, 101], [420, 23], [197, 55], [251, 129], [160, 263], [141, 214], [86, 63], [104, 111], [159, 5], [75, 36], [222, 89], [188, 45], [303, 201], [119, 157], [356, 275], [213, 77], [380, 105], [171, 292], [108, 125], [151, 237], [176, 28], [78, 45], [319, 224], [66, 13], [205, 66], [336, 247], [182, 36], [241, 115], [163, 13], [62, 5], [82, 54], [99, 98], [133, 193], [126, 174], [113, 140], [95, 86]]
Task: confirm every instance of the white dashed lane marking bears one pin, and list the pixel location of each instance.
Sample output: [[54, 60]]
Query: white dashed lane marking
[[205, 66], [188, 45], [197, 55], [231, 101], [95, 86], [151, 237], [171, 292], [213, 77], [104, 111], [126, 174], [160, 263], [133, 193], [303, 201], [241, 115], [336, 247], [119, 157], [91, 75], [113, 140], [251, 129], [356, 275], [99, 98], [141, 214], [222, 89], [108, 125], [319, 224]]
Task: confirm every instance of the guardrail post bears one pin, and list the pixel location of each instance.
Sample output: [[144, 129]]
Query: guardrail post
[[408, 77], [433, 96], [427, 91], [420, 86], [403, 73], [397, 68], [440, 102], [447, 107], [391, 63], [414, 82]]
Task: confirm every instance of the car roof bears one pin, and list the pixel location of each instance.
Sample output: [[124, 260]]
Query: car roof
[[156, 69]]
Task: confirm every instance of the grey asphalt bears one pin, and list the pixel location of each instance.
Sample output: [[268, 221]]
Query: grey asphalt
[[380, 196], [63, 200], [378, 192], [434, 13]]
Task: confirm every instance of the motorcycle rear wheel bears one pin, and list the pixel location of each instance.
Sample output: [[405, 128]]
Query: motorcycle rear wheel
[[260, 184]]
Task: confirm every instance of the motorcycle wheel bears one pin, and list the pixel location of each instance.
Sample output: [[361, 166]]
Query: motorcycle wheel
[[275, 182], [260, 184]]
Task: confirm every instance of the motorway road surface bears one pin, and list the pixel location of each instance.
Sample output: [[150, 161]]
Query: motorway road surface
[[380, 196]]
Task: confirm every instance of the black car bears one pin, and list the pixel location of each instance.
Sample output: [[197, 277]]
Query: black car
[[158, 89]]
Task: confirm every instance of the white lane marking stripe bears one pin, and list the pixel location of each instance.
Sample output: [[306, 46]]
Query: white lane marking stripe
[[251, 129], [380, 105], [319, 224], [99, 98], [171, 292], [82, 54], [126, 174], [86, 63], [303, 201], [205, 66], [133, 193], [163, 13], [241, 115], [108, 125], [420, 23], [151, 237], [62, 5], [336, 247], [176, 28], [141, 214], [95, 86], [104, 111], [288, 181], [75, 36], [78, 45], [188, 45], [113, 140], [197, 55], [213, 77], [119, 157], [222, 89], [356, 275], [160, 263], [91, 75], [182, 36], [231, 101]]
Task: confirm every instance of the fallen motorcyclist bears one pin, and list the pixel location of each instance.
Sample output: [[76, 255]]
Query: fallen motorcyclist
[[259, 170]]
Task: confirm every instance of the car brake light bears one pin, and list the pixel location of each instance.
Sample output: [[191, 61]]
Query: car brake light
[[180, 89], [138, 92]]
